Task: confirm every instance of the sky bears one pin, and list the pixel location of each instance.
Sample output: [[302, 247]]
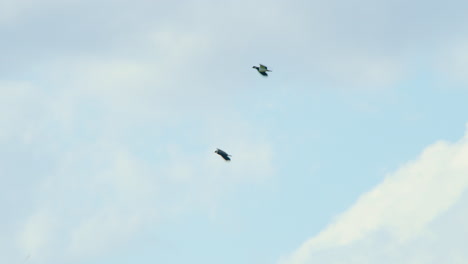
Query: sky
[[353, 150]]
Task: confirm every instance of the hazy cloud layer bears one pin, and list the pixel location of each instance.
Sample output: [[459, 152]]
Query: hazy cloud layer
[[110, 112]]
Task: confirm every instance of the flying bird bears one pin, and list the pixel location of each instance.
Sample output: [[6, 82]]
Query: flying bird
[[262, 70], [223, 154]]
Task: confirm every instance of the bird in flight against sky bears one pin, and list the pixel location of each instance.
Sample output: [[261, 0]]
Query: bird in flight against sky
[[262, 69], [223, 154]]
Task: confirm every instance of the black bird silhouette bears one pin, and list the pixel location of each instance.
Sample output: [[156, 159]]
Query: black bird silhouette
[[262, 69], [223, 154]]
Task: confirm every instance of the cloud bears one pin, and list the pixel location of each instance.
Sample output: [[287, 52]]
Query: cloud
[[15, 120], [452, 60], [366, 71], [13, 11], [116, 106], [113, 150], [91, 201], [399, 214], [38, 233], [101, 195], [102, 232], [294, 37]]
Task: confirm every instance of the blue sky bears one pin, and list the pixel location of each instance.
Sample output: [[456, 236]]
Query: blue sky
[[354, 149]]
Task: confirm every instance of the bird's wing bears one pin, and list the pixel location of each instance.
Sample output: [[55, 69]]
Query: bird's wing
[[263, 73], [263, 67]]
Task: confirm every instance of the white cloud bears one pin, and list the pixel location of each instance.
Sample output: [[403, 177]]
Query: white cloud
[[92, 201], [398, 214], [98, 191], [38, 233], [102, 195], [102, 232]]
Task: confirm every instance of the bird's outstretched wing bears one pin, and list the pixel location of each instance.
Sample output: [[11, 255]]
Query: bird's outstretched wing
[[221, 152], [263, 67]]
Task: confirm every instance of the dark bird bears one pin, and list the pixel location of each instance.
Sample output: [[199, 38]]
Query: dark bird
[[223, 154], [262, 69]]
